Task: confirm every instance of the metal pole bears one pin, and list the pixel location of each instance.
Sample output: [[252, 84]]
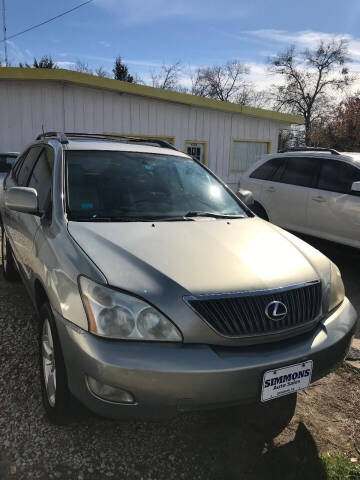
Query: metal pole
[[5, 37]]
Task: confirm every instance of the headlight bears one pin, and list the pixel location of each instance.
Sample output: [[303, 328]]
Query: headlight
[[114, 314], [336, 288]]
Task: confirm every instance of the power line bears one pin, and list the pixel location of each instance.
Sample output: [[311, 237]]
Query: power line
[[47, 21], [4, 29]]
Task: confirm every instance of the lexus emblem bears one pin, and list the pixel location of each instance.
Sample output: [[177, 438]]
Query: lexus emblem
[[276, 311]]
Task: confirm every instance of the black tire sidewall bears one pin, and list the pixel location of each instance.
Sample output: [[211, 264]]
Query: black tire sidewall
[[59, 413], [10, 272]]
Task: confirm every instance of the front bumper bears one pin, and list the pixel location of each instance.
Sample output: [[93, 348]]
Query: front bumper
[[167, 378]]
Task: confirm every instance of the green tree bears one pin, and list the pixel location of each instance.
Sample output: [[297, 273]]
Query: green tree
[[45, 62], [121, 71]]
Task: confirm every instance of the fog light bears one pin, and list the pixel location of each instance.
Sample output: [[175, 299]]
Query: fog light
[[109, 393]]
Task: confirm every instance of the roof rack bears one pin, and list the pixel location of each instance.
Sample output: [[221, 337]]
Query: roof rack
[[310, 149], [58, 135], [63, 138]]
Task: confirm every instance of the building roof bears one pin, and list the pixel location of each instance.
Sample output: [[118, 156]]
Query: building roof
[[84, 79]]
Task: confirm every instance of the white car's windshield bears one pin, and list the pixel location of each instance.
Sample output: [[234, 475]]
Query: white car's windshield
[[108, 185]]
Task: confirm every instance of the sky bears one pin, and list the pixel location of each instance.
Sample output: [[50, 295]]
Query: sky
[[149, 33]]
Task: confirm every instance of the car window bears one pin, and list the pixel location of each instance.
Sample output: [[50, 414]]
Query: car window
[[337, 176], [134, 185], [41, 178], [17, 166], [27, 165], [300, 171], [6, 163], [268, 169]]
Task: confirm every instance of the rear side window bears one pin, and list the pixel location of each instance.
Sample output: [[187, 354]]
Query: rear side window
[[41, 178], [337, 176], [6, 163], [300, 171], [22, 175], [268, 169]]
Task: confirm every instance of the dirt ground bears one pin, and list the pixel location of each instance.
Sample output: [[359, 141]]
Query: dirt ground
[[239, 443]]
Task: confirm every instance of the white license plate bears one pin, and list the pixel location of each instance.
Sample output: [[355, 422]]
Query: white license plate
[[286, 380]]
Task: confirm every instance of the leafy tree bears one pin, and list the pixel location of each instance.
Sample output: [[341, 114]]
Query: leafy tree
[[340, 128], [121, 71], [45, 62], [309, 78]]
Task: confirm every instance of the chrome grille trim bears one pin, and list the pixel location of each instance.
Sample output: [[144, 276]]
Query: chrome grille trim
[[242, 314]]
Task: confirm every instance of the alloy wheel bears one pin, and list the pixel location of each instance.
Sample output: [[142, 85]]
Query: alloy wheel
[[49, 366]]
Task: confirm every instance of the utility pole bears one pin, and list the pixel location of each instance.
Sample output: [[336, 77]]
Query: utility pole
[[5, 36]]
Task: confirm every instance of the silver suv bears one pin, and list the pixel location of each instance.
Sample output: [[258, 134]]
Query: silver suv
[[158, 291]]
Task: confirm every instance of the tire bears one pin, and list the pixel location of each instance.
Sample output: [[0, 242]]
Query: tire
[[260, 211], [8, 263], [55, 393]]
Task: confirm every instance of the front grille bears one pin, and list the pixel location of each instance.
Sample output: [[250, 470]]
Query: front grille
[[243, 314]]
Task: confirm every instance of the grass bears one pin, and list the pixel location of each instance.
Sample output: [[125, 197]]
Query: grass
[[340, 468]]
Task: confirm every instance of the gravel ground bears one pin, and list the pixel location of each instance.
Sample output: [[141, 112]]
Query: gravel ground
[[228, 444]]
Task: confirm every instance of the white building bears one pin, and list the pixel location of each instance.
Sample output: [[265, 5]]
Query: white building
[[225, 136]]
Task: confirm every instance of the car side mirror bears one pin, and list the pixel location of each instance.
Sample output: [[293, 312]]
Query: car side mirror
[[355, 188], [22, 199], [246, 197]]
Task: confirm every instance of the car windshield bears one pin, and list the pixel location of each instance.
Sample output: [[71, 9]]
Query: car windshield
[[133, 186]]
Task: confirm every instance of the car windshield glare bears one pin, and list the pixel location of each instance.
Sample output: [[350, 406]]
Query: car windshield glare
[[139, 186]]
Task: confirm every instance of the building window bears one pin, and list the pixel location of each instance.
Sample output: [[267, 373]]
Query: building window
[[196, 150], [247, 152]]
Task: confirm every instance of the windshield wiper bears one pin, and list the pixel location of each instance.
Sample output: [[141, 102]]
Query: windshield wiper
[[213, 215], [180, 218], [129, 219], [109, 219]]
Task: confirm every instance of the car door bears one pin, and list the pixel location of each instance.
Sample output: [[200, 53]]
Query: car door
[[333, 209], [285, 195], [40, 179], [256, 180]]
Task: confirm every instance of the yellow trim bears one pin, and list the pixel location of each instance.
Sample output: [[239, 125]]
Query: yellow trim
[[269, 146], [168, 138], [203, 142], [60, 75]]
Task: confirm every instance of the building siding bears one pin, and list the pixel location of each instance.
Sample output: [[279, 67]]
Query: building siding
[[28, 106]]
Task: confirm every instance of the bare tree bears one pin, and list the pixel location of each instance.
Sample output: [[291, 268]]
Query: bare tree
[[259, 98], [82, 67], [100, 72], [223, 82], [168, 77], [310, 76]]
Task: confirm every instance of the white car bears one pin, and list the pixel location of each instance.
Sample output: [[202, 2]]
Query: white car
[[311, 191]]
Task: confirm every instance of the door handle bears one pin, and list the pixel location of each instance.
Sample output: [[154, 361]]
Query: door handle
[[270, 189], [319, 199]]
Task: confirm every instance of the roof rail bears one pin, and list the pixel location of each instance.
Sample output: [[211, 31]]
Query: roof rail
[[63, 138], [58, 135], [310, 149]]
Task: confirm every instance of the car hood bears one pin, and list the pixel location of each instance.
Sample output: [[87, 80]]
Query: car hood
[[196, 257]]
